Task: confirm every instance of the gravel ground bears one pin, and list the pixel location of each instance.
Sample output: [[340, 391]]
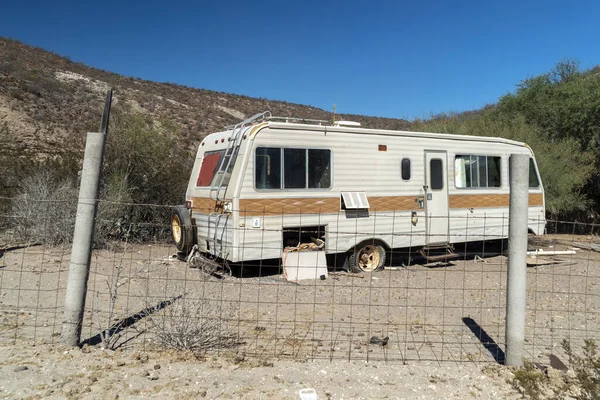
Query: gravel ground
[[52, 372], [417, 331]]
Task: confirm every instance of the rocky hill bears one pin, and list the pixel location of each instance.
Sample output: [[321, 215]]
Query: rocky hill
[[47, 99]]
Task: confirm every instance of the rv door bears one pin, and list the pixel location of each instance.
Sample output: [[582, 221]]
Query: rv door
[[436, 196]]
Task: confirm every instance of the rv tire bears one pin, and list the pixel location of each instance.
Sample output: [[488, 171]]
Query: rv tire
[[182, 230], [367, 257]]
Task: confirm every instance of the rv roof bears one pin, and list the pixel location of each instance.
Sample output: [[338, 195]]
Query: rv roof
[[359, 130]]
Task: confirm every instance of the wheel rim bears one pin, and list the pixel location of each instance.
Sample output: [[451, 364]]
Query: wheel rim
[[368, 258], [176, 228]]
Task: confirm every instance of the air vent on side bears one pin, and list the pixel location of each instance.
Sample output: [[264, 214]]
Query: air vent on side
[[354, 200]]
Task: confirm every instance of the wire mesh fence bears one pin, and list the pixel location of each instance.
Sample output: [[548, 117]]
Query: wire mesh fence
[[141, 295]]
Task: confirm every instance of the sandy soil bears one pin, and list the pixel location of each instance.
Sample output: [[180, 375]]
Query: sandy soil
[[437, 326], [53, 372]]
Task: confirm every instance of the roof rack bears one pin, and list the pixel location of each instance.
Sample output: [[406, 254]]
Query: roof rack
[[252, 120], [266, 116], [297, 120]]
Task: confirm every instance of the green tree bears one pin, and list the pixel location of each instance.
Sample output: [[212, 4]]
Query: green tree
[[564, 168], [145, 173]]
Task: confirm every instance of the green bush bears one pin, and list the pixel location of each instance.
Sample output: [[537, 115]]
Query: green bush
[[586, 368], [530, 381], [564, 168], [565, 105], [145, 173]]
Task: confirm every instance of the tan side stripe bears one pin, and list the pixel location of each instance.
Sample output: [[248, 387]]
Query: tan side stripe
[[479, 200], [306, 205], [203, 204], [490, 200], [536, 199], [323, 205]]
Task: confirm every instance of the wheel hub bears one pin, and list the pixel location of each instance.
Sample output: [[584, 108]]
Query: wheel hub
[[176, 228], [368, 258]]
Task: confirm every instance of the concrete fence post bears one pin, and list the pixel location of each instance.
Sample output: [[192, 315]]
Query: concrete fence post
[[517, 259], [82, 239], [83, 234]]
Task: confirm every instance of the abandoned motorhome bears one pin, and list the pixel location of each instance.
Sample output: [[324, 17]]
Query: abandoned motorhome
[[270, 182]]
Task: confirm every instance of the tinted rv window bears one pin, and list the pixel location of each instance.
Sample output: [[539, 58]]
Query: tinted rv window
[[302, 168], [267, 173], [318, 169], [208, 169], [476, 171], [294, 168], [405, 169], [436, 174], [534, 182]]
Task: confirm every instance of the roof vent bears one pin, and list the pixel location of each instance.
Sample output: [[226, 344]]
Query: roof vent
[[347, 123]]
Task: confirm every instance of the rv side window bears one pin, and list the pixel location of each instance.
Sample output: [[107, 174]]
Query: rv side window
[[534, 182], [294, 168], [208, 169], [302, 168], [268, 168], [405, 169], [477, 171], [319, 166], [436, 174]]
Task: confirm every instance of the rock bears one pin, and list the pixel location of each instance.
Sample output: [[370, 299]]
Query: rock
[[21, 368], [156, 366], [239, 358], [382, 342]]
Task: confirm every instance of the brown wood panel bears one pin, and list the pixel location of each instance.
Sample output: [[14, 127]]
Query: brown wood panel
[[490, 200], [203, 204], [303, 205], [324, 205], [393, 203], [479, 200], [536, 199]]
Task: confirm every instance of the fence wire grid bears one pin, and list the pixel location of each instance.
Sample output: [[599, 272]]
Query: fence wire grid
[[142, 296]]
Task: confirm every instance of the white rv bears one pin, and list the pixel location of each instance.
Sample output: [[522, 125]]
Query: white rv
[[269, 182]]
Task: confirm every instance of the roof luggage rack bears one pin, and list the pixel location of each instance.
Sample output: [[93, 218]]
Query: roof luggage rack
[[298, 120], [266, 116]]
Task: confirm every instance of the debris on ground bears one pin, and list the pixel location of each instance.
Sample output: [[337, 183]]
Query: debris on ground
[[381, 342]]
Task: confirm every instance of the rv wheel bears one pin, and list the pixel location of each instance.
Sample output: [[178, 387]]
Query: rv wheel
[[367, 258], [181, 229]]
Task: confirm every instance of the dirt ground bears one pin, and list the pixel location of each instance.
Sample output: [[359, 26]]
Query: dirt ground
[[52, 372], [409, 331]]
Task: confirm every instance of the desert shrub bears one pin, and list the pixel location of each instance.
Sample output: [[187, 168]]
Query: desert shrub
[[586, 368], [115, 198], [44, 210], [197, 325], [145, 173], [530, 381], [581, 383]]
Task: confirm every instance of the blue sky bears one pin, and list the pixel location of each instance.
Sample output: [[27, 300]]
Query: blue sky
[[387, 58]]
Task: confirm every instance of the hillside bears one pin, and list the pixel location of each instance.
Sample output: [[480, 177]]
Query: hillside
[[46, 99]]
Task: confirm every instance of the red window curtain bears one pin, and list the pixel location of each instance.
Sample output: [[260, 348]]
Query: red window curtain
[[208, 169]]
